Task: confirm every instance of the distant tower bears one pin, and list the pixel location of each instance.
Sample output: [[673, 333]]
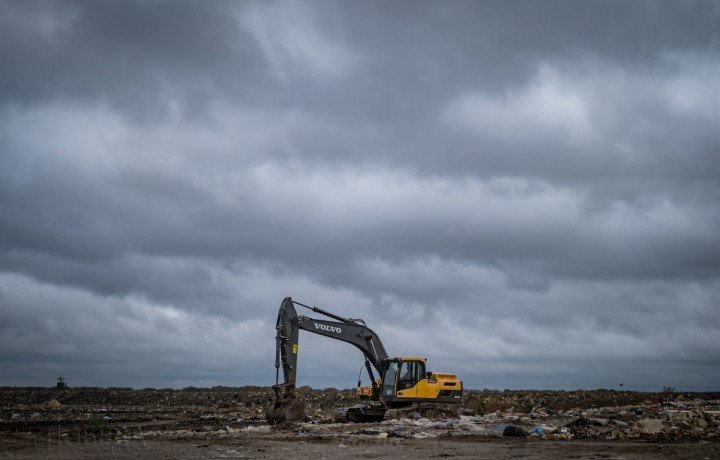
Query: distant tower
[[61, 383]]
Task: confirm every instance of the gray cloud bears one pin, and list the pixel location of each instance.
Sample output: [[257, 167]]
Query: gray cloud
[[526, 195]]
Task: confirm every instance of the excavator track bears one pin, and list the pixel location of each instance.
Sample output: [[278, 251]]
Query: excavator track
[[424, 410], [366, 413], [360, 413]]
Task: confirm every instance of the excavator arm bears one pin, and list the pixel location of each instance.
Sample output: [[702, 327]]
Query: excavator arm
[[288, 326]]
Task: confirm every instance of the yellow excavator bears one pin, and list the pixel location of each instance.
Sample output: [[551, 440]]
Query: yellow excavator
[[402, 383]]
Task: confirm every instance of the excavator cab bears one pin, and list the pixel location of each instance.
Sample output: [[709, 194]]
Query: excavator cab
[[406, 381], [402, 376]]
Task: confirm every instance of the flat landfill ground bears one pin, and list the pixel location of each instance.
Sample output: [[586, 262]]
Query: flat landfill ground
[[224, 422]]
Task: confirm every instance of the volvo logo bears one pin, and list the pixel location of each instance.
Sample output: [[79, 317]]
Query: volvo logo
[[324, 327]]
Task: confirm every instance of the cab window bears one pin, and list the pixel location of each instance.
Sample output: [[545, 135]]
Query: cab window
[[419, 371], [388, 388], [411, 372]]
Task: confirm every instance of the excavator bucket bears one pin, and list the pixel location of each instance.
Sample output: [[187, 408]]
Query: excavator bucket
[[287, 407], [286, 410]]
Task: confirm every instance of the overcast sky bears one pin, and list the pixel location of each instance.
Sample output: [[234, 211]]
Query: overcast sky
[[527, 193]]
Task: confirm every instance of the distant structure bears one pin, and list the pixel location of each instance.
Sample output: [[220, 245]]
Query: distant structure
[[61, 383]]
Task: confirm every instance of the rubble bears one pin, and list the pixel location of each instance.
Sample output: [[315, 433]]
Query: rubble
[[649, 425], [81, 414], [53, 404]]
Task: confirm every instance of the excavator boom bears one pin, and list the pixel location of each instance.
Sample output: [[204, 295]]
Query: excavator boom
[[288, 326]]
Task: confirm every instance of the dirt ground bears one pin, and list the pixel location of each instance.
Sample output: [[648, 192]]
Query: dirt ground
[[24, 447], [230, 423]]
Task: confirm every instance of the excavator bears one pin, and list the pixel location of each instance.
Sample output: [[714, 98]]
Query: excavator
[[397, 384]]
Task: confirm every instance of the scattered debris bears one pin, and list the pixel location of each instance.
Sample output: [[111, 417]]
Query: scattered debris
[[198, 415], [650, 425], [53, 404]]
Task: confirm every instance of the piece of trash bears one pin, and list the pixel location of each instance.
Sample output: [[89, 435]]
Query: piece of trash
[[516, 431], [398, 434]]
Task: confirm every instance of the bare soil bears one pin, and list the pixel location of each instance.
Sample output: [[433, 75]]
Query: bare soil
[[24, 447], [229, 423]]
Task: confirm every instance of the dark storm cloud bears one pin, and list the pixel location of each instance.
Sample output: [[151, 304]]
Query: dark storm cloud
[[535, 184], [132, 56]]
